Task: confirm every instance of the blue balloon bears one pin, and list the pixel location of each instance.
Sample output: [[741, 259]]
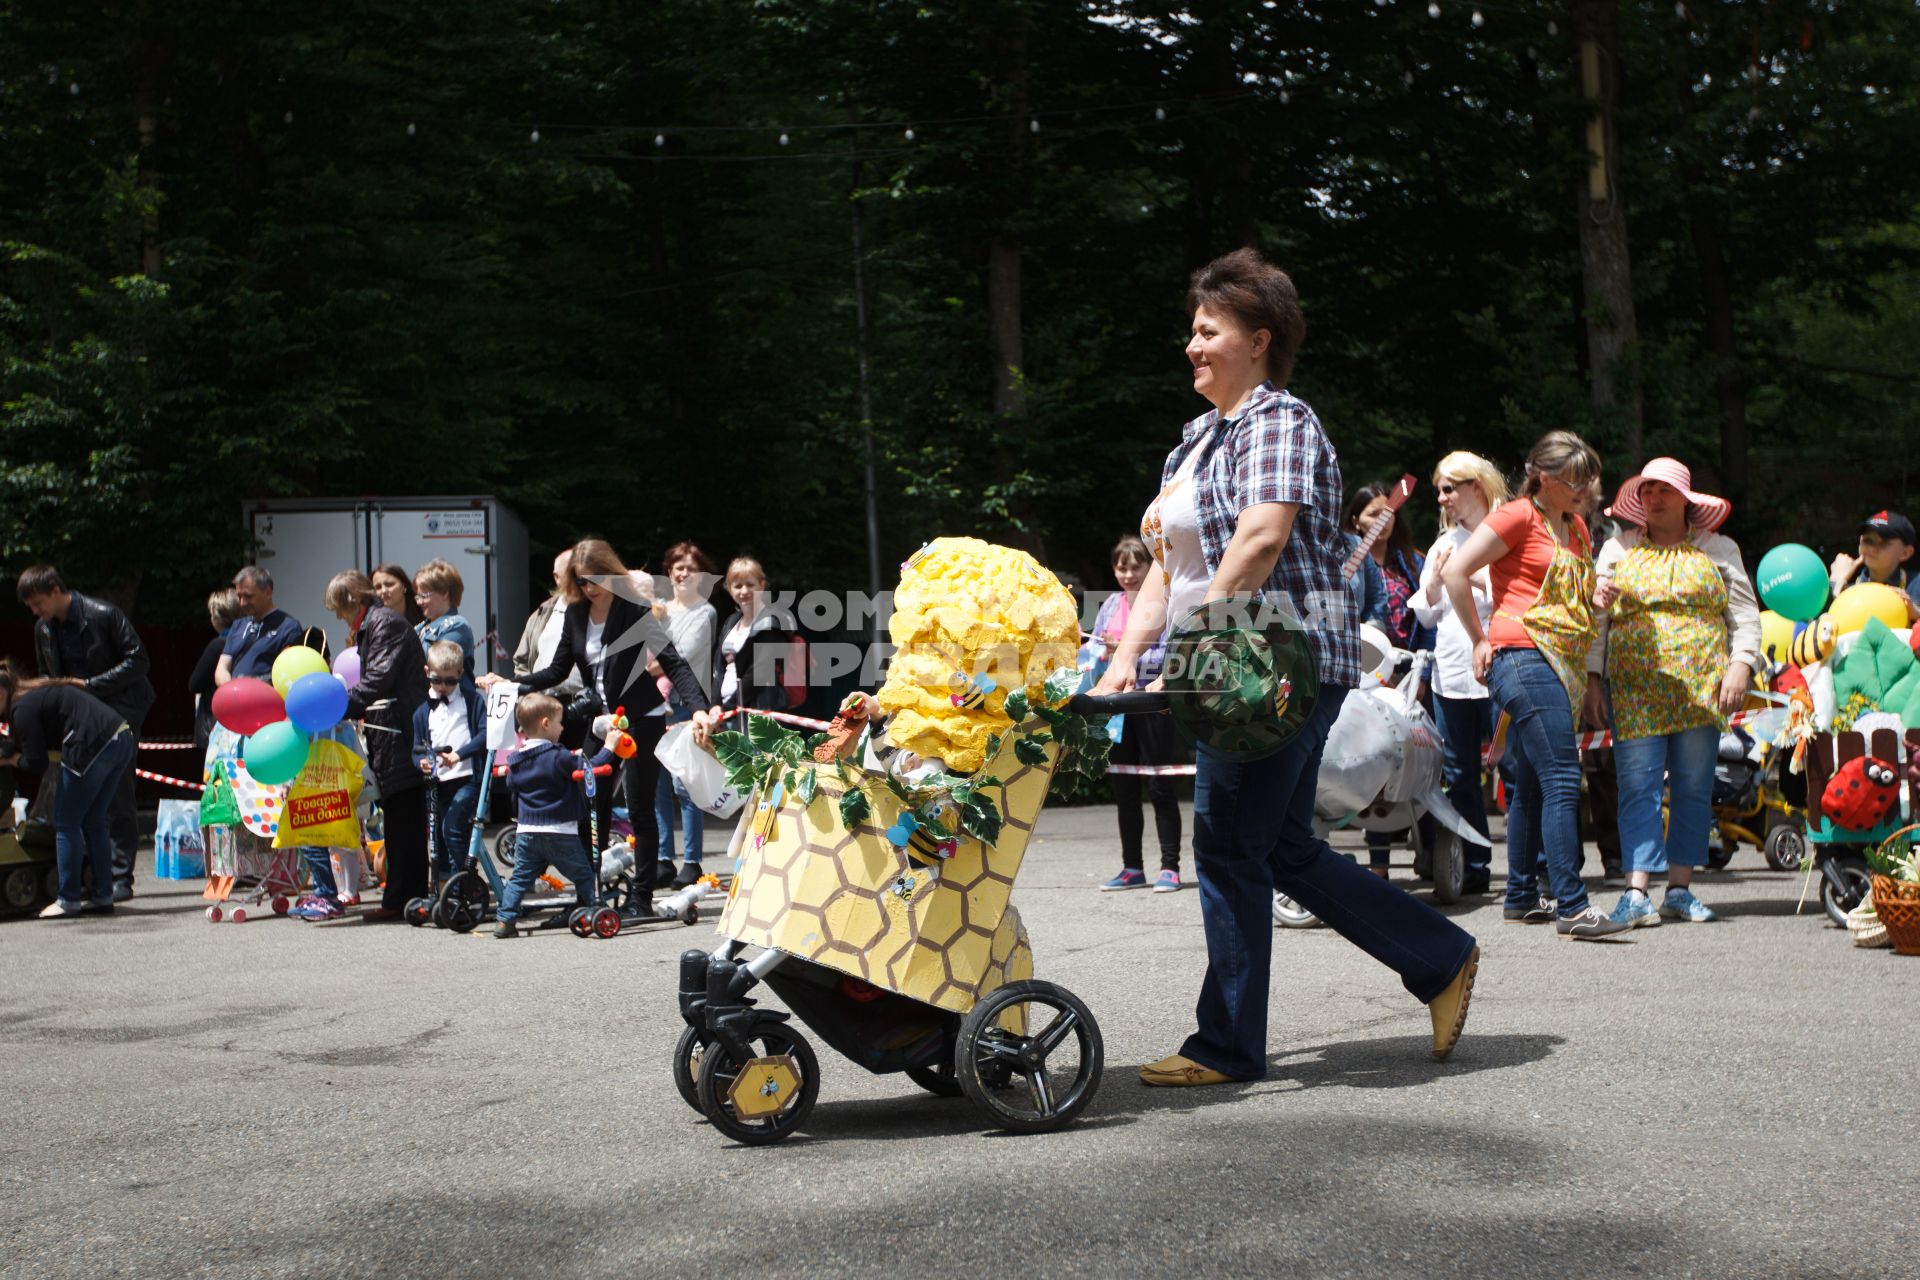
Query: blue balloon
[[315, 702]]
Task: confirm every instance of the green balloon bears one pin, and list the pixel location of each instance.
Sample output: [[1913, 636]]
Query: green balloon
[[276, 754], [1792, 582]]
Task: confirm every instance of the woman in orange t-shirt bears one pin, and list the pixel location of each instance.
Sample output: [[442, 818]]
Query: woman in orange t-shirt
[[1532, 656]]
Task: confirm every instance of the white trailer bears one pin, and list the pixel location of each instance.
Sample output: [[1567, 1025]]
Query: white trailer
[[303, 542]]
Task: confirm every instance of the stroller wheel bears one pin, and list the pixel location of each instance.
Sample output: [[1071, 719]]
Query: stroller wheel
[[687, 1052], [1719, 851], [1449, 866], [938, 1080], [766, 1098], [418, 911], [1289, 914], [281, 906], [606, 923], [1845, 881], [581, 922], [1029, 1055], [1786, 848], [214, 914]]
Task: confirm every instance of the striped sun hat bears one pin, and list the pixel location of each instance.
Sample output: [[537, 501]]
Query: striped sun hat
[[1704, 511]]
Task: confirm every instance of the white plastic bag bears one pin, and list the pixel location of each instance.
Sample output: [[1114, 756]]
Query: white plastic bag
[[701, 774]]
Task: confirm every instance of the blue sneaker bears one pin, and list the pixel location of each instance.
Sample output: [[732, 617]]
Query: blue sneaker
[[317, 908], [1635, 909], [1680, 904], [1168, 881], [1127, 879]]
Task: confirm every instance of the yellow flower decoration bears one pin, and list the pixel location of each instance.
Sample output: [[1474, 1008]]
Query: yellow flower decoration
[[972, 622]]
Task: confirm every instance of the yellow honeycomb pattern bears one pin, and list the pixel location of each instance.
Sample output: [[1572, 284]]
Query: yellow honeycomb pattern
[[835, 897]]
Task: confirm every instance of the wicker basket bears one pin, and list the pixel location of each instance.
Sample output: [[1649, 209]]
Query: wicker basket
[[1864, 927], [1898, 906]]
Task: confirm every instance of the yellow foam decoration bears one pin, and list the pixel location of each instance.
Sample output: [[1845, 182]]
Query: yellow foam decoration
[[967, 608], [833, 896]]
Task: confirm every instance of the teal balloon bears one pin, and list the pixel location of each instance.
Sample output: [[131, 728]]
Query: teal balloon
[[316, 702], [276, 754], [1792, 582]]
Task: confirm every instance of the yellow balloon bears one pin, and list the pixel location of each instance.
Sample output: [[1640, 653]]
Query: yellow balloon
[[295, 660], [1852, 607], [1776, 633]]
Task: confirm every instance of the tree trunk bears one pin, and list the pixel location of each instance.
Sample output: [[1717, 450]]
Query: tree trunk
[[1012, 99], [1716, 297], [1606, 272]]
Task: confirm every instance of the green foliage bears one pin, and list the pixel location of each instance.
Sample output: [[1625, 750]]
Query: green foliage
[[330, 265]]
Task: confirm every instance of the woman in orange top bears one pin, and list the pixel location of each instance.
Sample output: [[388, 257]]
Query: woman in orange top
[[1532, 656]]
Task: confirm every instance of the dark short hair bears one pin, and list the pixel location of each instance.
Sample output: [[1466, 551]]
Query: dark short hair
[[1260, 296], [686, 551], [40, 580]]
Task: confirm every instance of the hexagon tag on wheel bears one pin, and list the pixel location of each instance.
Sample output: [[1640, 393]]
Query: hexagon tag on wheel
[[765, 1087]]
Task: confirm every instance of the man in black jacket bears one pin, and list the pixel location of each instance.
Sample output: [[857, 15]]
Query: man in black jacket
[[88, 639]]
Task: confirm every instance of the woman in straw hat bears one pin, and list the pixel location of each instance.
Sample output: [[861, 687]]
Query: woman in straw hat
[[1678, 639]]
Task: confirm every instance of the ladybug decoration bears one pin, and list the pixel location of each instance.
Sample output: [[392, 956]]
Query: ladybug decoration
[[1862, 794]]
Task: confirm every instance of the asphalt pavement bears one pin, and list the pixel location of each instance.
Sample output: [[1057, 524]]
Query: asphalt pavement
[[283, 1099]]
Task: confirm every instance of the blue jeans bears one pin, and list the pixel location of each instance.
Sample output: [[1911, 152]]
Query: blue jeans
[[82, 804], [693, 825], [454, 804], [1648, 767], [1253, 833], [533, 853], [1466, 724], [1543, 808], [320, 871]]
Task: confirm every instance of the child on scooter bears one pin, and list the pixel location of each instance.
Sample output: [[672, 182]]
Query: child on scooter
[[547, 801]]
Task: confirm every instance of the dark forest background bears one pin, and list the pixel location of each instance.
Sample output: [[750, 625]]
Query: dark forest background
[[623, 263]]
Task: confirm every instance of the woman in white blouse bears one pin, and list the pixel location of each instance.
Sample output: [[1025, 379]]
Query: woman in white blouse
[[1469, 487]]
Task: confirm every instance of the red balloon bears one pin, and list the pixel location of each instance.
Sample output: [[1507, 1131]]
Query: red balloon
[[246, 705]]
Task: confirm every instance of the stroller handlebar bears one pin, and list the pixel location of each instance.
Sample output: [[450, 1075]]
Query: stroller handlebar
[[1134, 702]]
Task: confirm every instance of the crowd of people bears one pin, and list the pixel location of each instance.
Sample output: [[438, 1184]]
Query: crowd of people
[[1547, 608], [600, 645]]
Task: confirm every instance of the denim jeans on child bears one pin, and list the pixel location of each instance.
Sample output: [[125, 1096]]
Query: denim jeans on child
[[320, 870], [82, 809], [1647, 767], [1543, 807], [454, 804], [1253, 833], [668, 794], [533, 853]]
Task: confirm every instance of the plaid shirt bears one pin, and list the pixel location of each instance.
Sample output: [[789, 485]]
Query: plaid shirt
[[1276, 451]]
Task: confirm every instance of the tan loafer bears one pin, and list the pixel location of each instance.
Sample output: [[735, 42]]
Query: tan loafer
[[1449, 1008], [1177, 1072]]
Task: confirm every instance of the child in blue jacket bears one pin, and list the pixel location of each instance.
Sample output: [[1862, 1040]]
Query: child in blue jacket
[[549, 803], [450, 746]]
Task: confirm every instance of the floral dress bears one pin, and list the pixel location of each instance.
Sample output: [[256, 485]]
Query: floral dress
[[1667, 647]]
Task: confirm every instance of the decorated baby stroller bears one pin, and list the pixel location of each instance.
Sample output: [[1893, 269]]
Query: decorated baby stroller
[[874, 872]]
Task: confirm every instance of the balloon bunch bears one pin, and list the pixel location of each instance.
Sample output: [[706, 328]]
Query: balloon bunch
[[276, 719], [1800, 627]]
